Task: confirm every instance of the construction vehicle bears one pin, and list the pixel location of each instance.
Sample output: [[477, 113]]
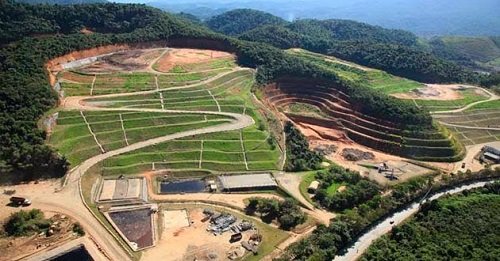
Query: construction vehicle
[[20, 201], [236, 237]]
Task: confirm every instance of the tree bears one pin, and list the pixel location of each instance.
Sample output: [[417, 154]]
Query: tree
[[25, 223]]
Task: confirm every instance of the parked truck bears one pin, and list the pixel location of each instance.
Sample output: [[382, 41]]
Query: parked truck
[[20, 201]]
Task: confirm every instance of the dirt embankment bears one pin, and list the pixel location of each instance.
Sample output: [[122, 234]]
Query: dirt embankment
[[184, 56], [55, 64], [441, 92]]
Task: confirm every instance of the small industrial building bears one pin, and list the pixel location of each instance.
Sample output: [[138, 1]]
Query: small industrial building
[[245, 182], [491, 153], [313, 187]]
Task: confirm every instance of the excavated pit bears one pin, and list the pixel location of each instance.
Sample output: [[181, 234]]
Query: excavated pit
[[343, 114]]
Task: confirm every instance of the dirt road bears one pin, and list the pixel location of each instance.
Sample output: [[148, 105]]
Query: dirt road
[[68, 200], [493, 97], [469, 161]]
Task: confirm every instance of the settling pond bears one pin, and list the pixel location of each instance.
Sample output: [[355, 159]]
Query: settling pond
[[76, 254], [183, 186]]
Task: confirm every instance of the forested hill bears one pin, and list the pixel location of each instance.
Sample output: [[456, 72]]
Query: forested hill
[[241, 20], [19, 20], [397, 59], [347, 30], [395, 51]]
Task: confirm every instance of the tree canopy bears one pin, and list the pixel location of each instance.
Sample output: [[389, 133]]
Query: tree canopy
[[298, 155], [241, 20], [459, 227]]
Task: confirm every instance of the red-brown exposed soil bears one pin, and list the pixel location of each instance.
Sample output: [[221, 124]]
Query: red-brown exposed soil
[[74, 77], [188, 56], [344, 121]]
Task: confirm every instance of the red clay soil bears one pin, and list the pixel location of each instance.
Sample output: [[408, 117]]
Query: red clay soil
[[342, 115], [315, 132], [188, 56], [74, 77]]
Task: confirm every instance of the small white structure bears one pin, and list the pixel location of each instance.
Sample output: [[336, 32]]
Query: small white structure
[[313, 187], [247, 182]]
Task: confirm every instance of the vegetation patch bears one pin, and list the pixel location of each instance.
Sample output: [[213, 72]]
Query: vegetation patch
[[286, 212], [375, 79], [358, 190], [26, 223], [298, 155], [462, 227]]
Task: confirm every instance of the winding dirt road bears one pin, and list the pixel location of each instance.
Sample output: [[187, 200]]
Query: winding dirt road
[[69, 200], [493, 97]]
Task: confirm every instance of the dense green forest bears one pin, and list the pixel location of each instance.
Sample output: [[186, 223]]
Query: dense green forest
[[18, 21], [287, 212], [347, 30], [241, 20], [358, 190], [397, 59], [456, 227], [298, 155]]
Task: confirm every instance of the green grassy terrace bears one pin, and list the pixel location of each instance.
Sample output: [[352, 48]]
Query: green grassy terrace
[[372, 78], [73, 138]]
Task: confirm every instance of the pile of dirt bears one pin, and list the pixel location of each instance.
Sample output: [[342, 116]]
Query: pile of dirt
[[326, 149], [356, 155]]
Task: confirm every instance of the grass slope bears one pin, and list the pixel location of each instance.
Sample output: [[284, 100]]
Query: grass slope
[[73, 139], [372, 78], [222, 152]]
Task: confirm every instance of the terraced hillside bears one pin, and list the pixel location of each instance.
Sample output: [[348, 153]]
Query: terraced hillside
[[478, 124], [80, 135], [338, 113], [430, 97], [121, 109]]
